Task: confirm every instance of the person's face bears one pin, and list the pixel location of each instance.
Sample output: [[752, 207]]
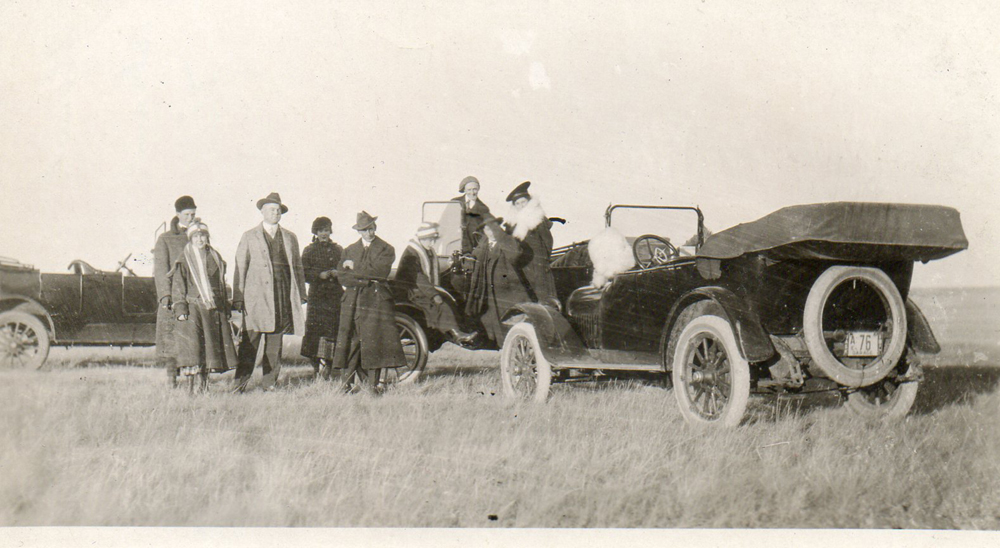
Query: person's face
[[271, 213], [488, 231], [367, 234], [520, 203], [186, 217], [199, 239], [471, 191], [428, 243], [324, 233]]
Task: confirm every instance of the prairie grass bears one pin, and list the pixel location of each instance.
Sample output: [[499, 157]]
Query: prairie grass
[[112, 446]]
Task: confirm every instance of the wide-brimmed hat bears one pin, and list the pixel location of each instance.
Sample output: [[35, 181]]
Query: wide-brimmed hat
[[467, 180], [272, 198], [520, 191], [320, 223], [195, 227], [488, 219], [364, 221], [184, 202], [427, 230]]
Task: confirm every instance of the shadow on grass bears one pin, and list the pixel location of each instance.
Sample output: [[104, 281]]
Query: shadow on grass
[[949, 385]]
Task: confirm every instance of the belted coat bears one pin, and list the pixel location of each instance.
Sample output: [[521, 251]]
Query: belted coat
[[367, 313]]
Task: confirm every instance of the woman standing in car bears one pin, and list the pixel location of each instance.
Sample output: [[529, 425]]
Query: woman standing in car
[[529, 225]]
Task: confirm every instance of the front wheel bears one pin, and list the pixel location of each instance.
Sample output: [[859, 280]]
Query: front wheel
[[524, 371], [711, 379], [24, 341]]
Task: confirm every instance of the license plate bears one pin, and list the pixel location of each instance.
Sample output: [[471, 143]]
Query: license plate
[[863, 343]]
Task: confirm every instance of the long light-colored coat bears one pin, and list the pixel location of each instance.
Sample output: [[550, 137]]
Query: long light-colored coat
[[253, 280]]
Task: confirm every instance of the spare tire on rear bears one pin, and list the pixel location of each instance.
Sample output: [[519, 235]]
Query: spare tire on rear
[[851, 309]]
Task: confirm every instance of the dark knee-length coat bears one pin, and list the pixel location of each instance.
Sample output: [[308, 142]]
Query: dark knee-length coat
[[496, 284], [367, 313], [323, 310]]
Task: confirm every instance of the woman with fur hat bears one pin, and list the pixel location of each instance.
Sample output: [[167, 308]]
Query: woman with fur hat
[[529, 225], [319, 262], [204, 339], [496, 284]]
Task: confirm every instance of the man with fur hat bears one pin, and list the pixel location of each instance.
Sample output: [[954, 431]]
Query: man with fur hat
[[529, 225], [167, 251], [368, 340], [496, 285], [269, 288], [473, 211], [418, 272]]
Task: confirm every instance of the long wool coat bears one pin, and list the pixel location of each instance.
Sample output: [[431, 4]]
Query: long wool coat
[[532, 228], [367, 315], [204, 338], [253, 280], [496, 284], [323, 311], [169, 247]]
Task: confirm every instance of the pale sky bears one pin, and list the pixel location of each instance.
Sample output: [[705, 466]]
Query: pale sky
[[111, 110]]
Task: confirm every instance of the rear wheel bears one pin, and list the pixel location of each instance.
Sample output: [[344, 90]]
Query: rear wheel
[[524, 371], [711, 379], [888, 399], [24, 341], [415, 349]]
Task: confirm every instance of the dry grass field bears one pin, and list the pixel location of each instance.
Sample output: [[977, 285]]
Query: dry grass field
[[97, 439]]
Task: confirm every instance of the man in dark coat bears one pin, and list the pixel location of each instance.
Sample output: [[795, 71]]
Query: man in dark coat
[[269, 288], [320, 260], [368, 340], [496, 283], [418, 273], [169, 248], [473, 211], [530, 226]]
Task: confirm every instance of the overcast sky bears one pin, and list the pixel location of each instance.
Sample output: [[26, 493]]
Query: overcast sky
[[111, 110]]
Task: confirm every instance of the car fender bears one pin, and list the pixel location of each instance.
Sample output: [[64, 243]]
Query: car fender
[[919, 335], [555, 334], [31, 306], [752, 340]]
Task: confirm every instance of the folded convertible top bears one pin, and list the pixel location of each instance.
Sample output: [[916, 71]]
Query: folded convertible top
[[845, 231]]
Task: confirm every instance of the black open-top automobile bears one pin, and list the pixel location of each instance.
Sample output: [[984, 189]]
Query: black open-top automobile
[[810, 297]]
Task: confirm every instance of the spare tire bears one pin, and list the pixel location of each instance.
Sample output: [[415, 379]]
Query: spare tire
[[891, 328]]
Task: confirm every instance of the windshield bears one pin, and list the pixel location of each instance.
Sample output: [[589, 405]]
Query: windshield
[[679, 225], [448, 216]]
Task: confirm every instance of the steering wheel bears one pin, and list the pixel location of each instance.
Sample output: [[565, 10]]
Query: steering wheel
[[658, 251], [123, 266]]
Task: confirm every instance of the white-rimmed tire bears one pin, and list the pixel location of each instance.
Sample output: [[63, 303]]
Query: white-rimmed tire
[[888, 399], [24, 341], [854, 373], [524, 372], [711, 378]]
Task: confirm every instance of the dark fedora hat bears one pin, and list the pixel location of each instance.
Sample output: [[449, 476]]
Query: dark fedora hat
[[484, 220], [272, 198], [364, 221], [520, 191]]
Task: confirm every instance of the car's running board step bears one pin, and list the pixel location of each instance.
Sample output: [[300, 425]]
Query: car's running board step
[[654, 367]]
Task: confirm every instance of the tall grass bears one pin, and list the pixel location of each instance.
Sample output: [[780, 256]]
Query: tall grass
[[113, 446]]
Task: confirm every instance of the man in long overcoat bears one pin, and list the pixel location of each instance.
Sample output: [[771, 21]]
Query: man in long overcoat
[[529, 225], [169, 248], [269, 288], [368, 340], [496, 283]]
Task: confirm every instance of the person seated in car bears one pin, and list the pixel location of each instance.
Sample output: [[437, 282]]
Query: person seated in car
[[529, 224], [204, 338], [417, 271], [473, 211], [496, 284]]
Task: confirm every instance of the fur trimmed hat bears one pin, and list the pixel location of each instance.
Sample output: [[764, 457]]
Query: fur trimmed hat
[[320, 223], [184, 202]]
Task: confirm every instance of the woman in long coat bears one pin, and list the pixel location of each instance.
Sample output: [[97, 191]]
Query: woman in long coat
[[204, 339], [530, 226], [368, 340], [496, 284], [320, 260]]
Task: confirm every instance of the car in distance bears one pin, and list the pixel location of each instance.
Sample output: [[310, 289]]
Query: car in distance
[[809, 298]]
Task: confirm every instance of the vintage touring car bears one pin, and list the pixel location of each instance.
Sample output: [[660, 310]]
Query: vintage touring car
[[810, 297]]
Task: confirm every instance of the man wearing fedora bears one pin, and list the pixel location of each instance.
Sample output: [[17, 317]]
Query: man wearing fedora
[[269, 288], [169, 248], [367, 341]]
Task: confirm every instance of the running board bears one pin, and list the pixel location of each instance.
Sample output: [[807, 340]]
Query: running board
[[651, 367]]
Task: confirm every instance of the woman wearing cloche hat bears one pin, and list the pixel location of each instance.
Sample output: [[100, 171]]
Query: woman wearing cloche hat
[[319, 261]]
